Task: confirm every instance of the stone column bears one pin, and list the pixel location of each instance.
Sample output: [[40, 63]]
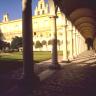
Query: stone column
[[71, 38], [84, 45], [75, 48], [65, 48], [64, 45], [77, 41], [29, 79], [66, 26], [54, 64], [80, 45]]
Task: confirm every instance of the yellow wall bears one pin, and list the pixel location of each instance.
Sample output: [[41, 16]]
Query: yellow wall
[[41, 25]]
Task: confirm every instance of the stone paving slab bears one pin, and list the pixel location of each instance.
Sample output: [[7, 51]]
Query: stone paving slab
[[85, 56], [45, 74]]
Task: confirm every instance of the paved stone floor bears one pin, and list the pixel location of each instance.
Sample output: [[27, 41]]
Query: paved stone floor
[[77, 78]]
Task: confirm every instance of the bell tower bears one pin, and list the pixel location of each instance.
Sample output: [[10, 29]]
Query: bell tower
[[41, 8], [5, 17]]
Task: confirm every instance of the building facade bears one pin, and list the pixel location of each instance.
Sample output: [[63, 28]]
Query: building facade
[[41, 25]]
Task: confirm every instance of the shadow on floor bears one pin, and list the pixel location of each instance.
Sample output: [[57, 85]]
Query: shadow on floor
[[71, 80]]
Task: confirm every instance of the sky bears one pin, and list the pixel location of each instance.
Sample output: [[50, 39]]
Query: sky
[[13, 8]]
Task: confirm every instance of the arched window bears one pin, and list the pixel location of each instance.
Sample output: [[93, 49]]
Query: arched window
[[34, 33], [43, 12], [38, 13], [41, 6], [5, 19]]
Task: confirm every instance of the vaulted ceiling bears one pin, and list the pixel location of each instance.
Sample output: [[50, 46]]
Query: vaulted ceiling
[[82, 13]]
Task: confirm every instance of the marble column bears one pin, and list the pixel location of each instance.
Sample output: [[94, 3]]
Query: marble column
[[65, 46], [71, 43], [29, 78], [74, 44], [54, 64], [77, 42], [82, 44]]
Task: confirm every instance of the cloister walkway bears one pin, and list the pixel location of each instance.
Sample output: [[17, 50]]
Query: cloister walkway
[[77, 78]]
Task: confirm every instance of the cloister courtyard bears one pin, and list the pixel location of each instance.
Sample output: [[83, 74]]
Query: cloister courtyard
[[70, 71]]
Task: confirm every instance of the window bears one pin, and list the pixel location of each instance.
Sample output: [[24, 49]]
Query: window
[[16, 26], [41, 35], [60, 34], [43, 12], [5, 19], [49, 34], [38, 13], [41, 6], [35, 22], [34, 33]]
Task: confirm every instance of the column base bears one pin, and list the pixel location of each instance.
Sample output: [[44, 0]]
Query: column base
[[54, 66], [75, 56], [66, 61], [27, 85]]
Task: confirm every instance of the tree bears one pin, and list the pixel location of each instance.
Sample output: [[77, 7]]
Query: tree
[[1, 35], [4, 45], [1, 40], [1, 44], [38, 44], [16, 42], [44, 42], [7, 44], [50, 42]]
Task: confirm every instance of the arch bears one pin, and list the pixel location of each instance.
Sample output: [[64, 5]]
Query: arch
[[81, 12]]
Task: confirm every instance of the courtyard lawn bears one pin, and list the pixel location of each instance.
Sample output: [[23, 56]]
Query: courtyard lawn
[[17, 56], [13, 61], [41, 56], [14, 56]]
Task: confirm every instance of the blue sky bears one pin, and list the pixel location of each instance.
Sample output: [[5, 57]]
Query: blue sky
[[13, 8]]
